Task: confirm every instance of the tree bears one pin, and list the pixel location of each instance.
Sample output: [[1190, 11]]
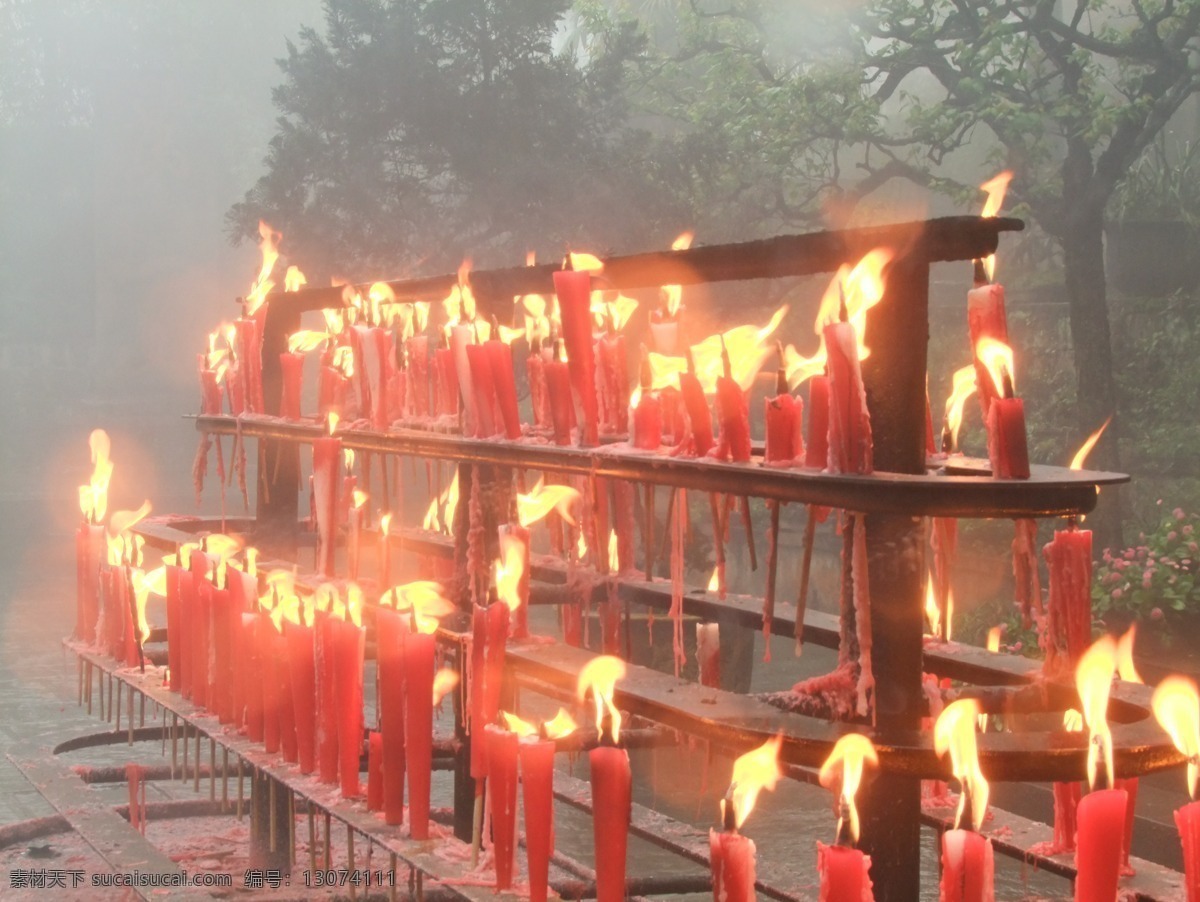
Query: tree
[[413, 132], [1066, 95]]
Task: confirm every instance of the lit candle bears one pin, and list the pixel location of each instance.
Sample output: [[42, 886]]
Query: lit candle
[[1176, 705], [611, 778], [708, 654], [535, 374], [731, 855], [252, 675], [301, 656], [783, 416], [695, 404], [850, 444], [967, 857], [201, 628], [327, 456], [647, 411], [500, 363], [327, 699], [536, 754], [986, 317], [417, 352], [483, 390], [447, 383], [735, 415], [614, 375], [514, 551], [1008, 449], [1069, 620], [574, 290], [816, 454], [1101, 813], [502, 795], [390, 631], [374, 771], [844, 870], [348, 645], [558, 394]]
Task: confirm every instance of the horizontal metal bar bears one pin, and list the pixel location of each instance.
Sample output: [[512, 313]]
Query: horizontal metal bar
[[935, 240], [1049, 492]]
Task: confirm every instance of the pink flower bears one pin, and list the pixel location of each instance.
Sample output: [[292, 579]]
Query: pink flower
[[1188, 530], [1193, 548], [1147, 579], [1117, 593], [1179, 514], [1156, 614], [1129, 554], [1017, 646], [1172, 536]]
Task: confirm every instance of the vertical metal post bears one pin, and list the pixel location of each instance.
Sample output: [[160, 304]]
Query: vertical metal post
[[895, 380], [464, 784], [270, 813]]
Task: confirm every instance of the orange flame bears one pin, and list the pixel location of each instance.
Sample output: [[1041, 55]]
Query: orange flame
[[995, 187], [844, 766], [509, 570], [581, 262], [294, 279], [424, 598], [616, 311], [673, 294], [1126, 669], [1093, 680], [997, 357], [860, 288], [614, 560], [954, 732], [440, 515], [459, 304], [335, 320], [752, 773], [1086, 448], [444, 682], [599, 676], [522, 728], [581, 547], [800, 369], [962, 388], [748, 348], [268, 245], [306, 340], [1072, 721], [93, 498], [714, 581], [358, 497], [993, 638], [544, 498], [1176, 705], [933, 615], [561, 725], [331, 422]]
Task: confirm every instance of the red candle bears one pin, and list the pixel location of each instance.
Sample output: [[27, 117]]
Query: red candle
[[502, 792], [672, 413], [249, 355], [537, 791], [785, 443], [447, 383], [731, 859], [535, 374], [462, 336], [417, 386], [374, 771], [844, 874], [574, 290], [986, 318], [698, 413], [478, 678], [224, 609], [817, 451], [1066, 804], [850, 445], [1099, 841], [558, 394], [174, 627], [287, 712], [1187, 820], [292, 367], [252, 676], [348, 645], [708, 654], [390, 630], [499, 357], [327, 699], [327, 380], [483, 391], [1007, 447], [735, 416], [377, 355], [646, 427], [327, 456], [202, 627], [89, 551], [271, 684], [497, 640], [187, 618], [1131, 789], [967, 867], [302, 670], [418, 728], [614, 383], [1069, 626], [611, 808]]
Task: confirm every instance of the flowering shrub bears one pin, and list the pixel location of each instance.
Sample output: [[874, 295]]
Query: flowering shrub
[[1156, 579]]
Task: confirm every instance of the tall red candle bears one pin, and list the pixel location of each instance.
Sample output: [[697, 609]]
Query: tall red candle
[[502, 792], [287, 713], [558, 394], [500, 364], [1187, 821], [735, 416], [817, 451], [483, 391], [698, 413], [302, 670], [1066, 804], [574, 290], [1008, 450], [986, 318], [327, 699], [174, 627], [1069, 619], [783, 414], [613, 383], [418, 728], [850, 443], [611, 810], [224, 609], [348, 645], [417, 386], [252, 676], [535, 375], [327, 456], [249, 354], [188, 606], [1101, 834], [390, 630], [447, 382], [374, 771], [537, 795], [272, 686], [968, 867], [202, 626]]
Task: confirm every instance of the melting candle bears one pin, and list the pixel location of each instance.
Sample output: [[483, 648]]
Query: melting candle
[[301, 656], [647, 414], [574, 290], [326, 457], [390, 630], [500, 363], [537, 786], [558, 394], [418, 727], [502, 793]]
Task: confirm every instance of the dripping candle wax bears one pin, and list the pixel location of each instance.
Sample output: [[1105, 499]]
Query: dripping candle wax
[[327, 455], [1007, 447], [1101, 813], [536, 754], [610, 778], [844, 870], [986, 316], [390, 631], [1176, 705], [573, 286], [731, 855], [967, 856], [502, 745], [558, 392], [348, 641], [500, 362]]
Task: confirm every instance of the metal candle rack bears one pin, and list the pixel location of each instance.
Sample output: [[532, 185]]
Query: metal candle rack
[[893, 501]]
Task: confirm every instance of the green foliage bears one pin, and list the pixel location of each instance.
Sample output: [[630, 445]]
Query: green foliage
[[420, 131], [1163, 184], [1154, 581]]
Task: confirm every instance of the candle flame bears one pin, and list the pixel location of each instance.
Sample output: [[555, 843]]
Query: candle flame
[[544, 498], [560, 726], [514, 724], [581, 547], [343, 361], [306, 340], [995, 188], [459, 304], [954, 732], [800, 369], [385, 524], [335, 320], [440, 515], [424, 598], [614, 559], [599, 676], [748, 348], [615, 311], [331, 422], [753, 772], [268, 246], [143, 585], [673, 294], [993, 638], [354, 604], [444, 682], [714, 581], [93, 497], [1126, 669], [1086, 448], [859, 288], [294, 279], [585, 262], [509, 570], [358, 497], [327, 599], [1093, 680], [997, 357], [508, 334], [1176, 705], [1072, 721], [348, 458], [962, 388], [844, 769], [933, 615]]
